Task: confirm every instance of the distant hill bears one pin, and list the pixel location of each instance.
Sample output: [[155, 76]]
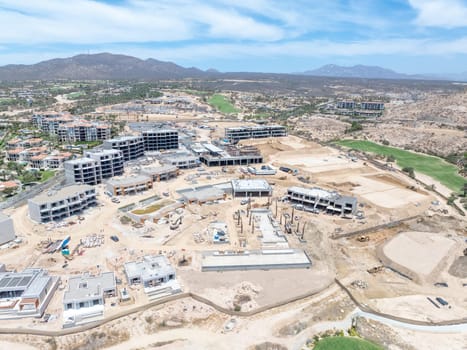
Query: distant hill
[[360, 71], [107, 66], [98, 66]]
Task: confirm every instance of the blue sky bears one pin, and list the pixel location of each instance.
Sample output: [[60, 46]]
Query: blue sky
[[410, 36]]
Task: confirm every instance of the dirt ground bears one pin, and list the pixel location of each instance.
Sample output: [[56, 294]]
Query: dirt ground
[[419, 252], [383, 196]]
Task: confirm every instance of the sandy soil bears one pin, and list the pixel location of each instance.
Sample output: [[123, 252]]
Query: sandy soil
[[420, 252], [17, 346], [385, 197], [418, 307]]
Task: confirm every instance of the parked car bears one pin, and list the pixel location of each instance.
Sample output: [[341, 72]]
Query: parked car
[[114, 238], [115, 200]]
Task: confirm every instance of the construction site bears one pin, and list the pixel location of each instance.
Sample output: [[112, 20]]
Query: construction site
[[243, 242]]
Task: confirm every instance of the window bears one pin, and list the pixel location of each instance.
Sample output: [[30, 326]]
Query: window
[[96, 302], [83, 285], [81, 304], [68, 306]]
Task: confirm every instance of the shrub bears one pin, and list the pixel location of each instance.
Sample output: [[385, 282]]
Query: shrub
[[409, 171]]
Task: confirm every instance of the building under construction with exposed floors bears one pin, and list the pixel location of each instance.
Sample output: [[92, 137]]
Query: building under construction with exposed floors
[[317, 199], [235, 134], [230, 155]]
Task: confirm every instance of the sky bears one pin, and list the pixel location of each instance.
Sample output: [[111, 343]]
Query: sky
[[409, 36]]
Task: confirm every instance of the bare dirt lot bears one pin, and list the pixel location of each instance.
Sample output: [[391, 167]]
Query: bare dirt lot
[[419, 252], [383, 197]]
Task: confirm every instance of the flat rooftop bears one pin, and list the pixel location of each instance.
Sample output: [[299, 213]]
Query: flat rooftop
[[249, 185], [159, 131], [159, 170], [254, 127], [62, 194], [128, 180], [103, 152], [203, 194], [178, 157], [124, 138], [255, 260], [30, 281], [83, 160], [312, 192], [86, 286], [151, 267], [212, 148]]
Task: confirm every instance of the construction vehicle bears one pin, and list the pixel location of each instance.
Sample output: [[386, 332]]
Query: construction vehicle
[[375, 269], [175, 222], [363, 238]]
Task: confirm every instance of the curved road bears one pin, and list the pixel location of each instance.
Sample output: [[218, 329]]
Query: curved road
[[454, 326]]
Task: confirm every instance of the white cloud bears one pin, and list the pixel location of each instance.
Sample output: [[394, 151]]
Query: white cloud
[[440, 13], [298, 49], [210, 52], [93, 22], [87, 21]]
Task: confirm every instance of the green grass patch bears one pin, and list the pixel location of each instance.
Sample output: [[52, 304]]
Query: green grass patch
[[46, 174], [434, 167], [75, 95], [151, 208], [222, 104], [345, 343], [6, 100], [90, 144]]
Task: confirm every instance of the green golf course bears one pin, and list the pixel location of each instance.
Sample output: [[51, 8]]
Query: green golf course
[[434, 167], [222, 104], [345, 343]]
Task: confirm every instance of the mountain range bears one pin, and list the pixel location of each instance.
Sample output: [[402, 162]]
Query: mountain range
[[96, 67], [358, 71], [107, 66], [375, 72]]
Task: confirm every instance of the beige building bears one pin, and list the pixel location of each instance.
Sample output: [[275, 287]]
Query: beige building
[[122, 186]]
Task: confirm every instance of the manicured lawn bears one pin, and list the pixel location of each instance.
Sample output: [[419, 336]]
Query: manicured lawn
[[345, 343], [222, 104], [434, 167], [91, 144], [46, 174], [75, 95]]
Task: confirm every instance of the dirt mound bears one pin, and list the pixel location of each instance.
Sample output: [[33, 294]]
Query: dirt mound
[[459, 267], [269, 346]]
